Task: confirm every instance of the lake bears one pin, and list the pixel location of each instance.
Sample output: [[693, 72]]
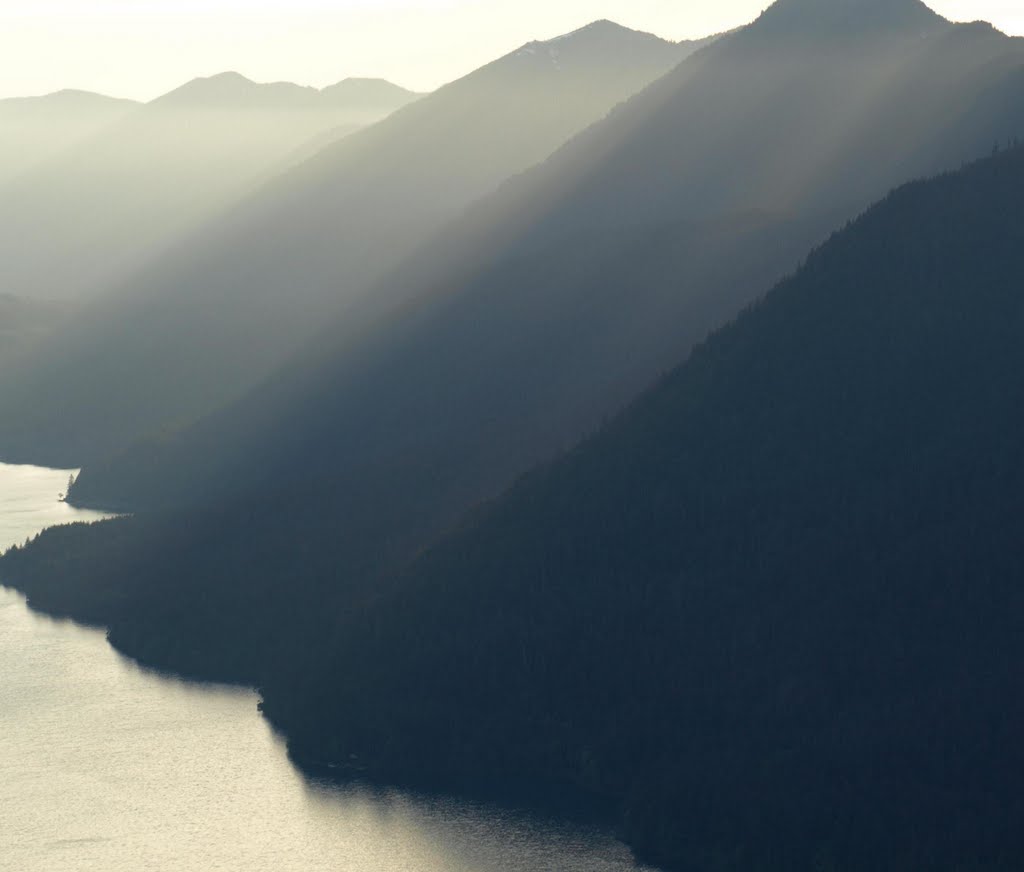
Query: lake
[[105, 767]]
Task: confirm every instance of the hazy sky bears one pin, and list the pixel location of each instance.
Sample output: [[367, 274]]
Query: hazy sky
[[143, 48]]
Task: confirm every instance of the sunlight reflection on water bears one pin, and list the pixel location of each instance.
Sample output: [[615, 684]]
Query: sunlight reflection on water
[[105, 767]]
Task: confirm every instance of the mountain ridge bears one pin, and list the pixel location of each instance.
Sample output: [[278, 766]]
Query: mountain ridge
[[782, 604], [67, 95], [405, 177], [848, 17], [162, 168], [767, 609], [586, 175], [232, 89]]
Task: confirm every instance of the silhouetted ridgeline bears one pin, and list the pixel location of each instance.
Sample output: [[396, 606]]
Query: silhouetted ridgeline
[[220, 311], [773, 609], [159, 169], [552, 303], [92, 188], [378, 441]]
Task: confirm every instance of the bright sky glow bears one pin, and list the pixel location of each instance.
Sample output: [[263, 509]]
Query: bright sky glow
[[143, 48]]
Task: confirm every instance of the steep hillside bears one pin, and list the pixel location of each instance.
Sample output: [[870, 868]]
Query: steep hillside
[[774, 608], [557, 299], [221, 310], [379, 439]]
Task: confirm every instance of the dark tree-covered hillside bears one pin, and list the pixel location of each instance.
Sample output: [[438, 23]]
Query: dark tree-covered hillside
[[772, 612], [547, 308], [775, 609]]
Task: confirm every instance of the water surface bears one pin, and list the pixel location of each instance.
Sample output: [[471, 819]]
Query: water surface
[[107, 768]]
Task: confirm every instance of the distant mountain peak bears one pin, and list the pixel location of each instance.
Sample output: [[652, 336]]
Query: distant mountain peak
[[227, 76], [361, 81], [76, 94], [71, 97], [847, 18], [232, 88], [219, 84], [600, 40], [896, 8], [227, 79], [601, 25], [368, 90], [602, 29]]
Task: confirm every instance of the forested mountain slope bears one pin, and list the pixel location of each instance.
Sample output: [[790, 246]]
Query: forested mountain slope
[[221, 310], [772, 610], [377, 441]]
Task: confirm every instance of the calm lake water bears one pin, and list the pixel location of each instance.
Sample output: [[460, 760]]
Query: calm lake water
[[106, 768]]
